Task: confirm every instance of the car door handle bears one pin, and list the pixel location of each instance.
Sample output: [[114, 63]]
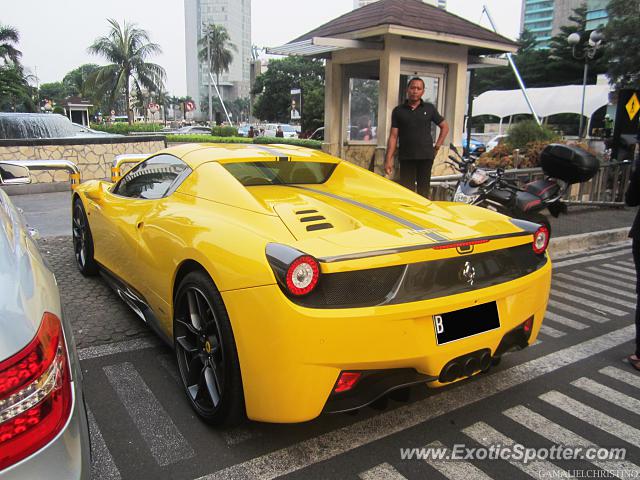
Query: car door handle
[[139, 225]]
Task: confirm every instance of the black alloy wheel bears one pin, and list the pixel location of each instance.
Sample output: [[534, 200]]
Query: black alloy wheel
[[82, 241], [206, 352]]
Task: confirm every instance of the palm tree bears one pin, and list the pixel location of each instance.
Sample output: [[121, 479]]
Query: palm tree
[[127, 47], [8, 37], [217, 52]]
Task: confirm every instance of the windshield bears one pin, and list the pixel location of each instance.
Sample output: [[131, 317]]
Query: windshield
[[280, 173]]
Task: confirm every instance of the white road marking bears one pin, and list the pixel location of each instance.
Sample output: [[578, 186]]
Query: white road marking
[[102, 464], [632, 379], [455, 470], [630, 271], [238, 435], [166, 443], [119, 347], [384, 471], [590, 258], [577, 311], [593, 417], [562, 436], [567, 322], [588, 303], [615, 274], [486, 436], [624, 263], [550, 331], [597, 286], [331, 444], [606, 280], [591, 293], [608, 394]]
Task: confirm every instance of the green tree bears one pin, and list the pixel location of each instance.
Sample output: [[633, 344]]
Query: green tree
[[15, 92], [565, 69], [76, 80], [622, 43], [127, 47], [8, 38], [216, 50], [273, 89], [55, 91]]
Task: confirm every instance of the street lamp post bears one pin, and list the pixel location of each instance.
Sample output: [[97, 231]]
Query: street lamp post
[[589, 51]]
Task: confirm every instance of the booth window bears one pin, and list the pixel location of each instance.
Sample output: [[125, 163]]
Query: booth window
[[363, 110]]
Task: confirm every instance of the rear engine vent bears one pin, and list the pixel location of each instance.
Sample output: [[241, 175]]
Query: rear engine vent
[[314, 218], [304, 212], [318, 226]]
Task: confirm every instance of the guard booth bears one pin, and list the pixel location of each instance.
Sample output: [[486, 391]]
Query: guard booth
[[77, 110], [371, 54]]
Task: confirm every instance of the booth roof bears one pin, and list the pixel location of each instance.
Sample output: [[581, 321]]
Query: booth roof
[[413, 14], [546, 101]]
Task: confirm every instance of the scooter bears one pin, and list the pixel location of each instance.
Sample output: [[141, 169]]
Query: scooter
[[490, 189]]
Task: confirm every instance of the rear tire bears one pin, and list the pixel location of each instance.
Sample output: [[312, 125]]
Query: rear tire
[[82, 241], [206, 352]]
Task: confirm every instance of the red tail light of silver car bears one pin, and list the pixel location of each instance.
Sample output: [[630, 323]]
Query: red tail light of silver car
[[35, 393]]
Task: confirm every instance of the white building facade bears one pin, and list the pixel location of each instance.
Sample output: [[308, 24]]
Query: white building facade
[[235, 16]]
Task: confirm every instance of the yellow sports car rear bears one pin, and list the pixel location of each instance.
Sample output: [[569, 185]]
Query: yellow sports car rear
[[290, 282]]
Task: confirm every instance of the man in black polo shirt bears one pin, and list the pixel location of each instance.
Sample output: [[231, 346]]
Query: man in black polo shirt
[[411, 126]]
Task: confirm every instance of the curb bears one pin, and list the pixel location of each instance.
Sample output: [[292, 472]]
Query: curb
[[562, 246]]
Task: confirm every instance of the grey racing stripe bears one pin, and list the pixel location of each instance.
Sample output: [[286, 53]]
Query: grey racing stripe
[[436, 237], [272, 151]]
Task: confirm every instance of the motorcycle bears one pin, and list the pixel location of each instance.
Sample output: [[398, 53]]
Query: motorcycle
[[562, 165]]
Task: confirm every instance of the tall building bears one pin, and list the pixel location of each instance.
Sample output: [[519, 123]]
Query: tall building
[[235, 16], [597, 15], [437, 3], [544, 18]]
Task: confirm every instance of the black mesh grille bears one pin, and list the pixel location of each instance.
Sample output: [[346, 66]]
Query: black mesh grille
[[423, 280], [353, 289]]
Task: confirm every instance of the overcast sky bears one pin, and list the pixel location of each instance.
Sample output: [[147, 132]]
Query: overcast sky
[[55, 34]]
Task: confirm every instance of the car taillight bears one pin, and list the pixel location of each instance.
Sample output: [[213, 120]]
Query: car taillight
[[540, 239], [35, 393], [346, 381], [302, 275]]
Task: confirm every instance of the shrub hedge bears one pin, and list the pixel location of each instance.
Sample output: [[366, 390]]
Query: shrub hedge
[[124, 128], [224, 131], [315, 144]]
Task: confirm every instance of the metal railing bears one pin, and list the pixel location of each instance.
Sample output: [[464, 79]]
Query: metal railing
[[67, 165], [605, 189]]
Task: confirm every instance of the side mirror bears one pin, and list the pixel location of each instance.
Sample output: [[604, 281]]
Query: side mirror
[[14, 174]]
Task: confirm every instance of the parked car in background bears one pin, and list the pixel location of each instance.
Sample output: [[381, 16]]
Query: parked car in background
[[288, 130], [495, 141], [43, 422], [243, 130], [191, 130], [82, 131], [477, 147]]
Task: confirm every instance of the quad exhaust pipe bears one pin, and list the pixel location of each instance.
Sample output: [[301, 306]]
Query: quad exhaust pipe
[[466, 365]]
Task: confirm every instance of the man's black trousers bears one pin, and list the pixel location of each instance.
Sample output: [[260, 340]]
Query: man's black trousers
[[418, 172]]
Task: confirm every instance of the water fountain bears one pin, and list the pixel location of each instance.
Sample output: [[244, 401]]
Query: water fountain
[[48, 136], [35, 125]]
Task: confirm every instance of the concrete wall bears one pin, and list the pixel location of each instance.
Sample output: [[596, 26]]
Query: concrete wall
[[93, 159]]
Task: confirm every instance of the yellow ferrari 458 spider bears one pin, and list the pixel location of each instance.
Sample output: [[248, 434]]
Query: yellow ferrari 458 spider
[[290, 282]]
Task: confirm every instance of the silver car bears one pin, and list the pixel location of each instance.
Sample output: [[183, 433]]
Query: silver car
[[43, 422]]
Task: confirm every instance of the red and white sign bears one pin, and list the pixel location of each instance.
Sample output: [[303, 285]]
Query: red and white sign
[[190, 105]]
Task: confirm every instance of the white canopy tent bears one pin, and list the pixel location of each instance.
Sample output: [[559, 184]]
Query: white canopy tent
[[546, 101]]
